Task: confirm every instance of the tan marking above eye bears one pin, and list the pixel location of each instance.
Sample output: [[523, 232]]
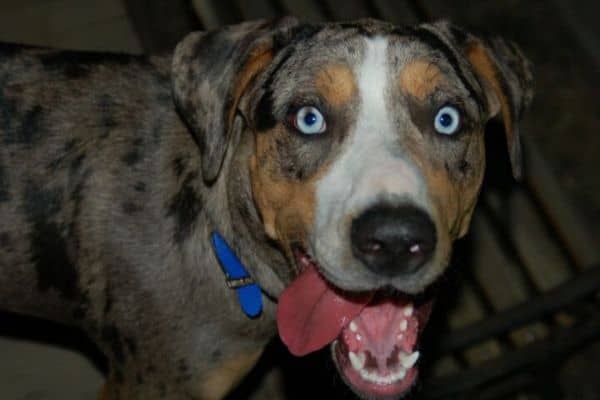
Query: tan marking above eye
[[420, 78], [337, 84]]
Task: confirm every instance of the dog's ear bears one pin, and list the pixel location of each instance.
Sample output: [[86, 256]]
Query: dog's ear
[[210, 73], [505, 76], [507, 80]]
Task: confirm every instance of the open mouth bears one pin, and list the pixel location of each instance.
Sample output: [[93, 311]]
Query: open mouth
[[373, 335]]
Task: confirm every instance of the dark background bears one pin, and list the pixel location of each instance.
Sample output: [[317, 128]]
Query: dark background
[[537, 240]]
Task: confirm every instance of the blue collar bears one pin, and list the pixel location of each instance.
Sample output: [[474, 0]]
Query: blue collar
[[237, 277]]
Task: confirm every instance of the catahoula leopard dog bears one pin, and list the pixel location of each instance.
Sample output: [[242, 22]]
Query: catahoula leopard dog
[[268, 176]]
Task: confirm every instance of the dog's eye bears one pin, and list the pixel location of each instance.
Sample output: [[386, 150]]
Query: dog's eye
[[447, 120], [310, 121]]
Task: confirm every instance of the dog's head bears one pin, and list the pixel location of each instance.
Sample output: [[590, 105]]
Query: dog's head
[[368, 156]]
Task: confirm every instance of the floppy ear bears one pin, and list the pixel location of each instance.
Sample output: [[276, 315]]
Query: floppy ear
[[210, 73], [507, 80]]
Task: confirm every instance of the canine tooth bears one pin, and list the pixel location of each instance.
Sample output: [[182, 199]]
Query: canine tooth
[[408, 310], [403, 325], [401, 373], [353, 326], [408, 360], [357, 361]]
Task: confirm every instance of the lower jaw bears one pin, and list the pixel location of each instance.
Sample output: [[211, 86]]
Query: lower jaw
[[366, 388]]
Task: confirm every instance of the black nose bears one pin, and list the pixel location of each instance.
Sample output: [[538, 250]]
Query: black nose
[[393, 240]]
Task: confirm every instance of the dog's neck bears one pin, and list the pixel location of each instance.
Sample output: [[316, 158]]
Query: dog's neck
[[231, 212]]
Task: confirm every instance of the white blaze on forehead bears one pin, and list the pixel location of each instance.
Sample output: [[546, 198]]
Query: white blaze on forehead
[[371, 162]]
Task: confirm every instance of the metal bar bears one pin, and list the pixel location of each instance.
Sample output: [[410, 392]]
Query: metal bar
[[579, 287], [561, 214], [542, 352]]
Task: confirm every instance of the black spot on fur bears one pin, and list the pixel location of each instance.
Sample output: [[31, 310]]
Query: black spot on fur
[[131, 208], [66, 154], [182, 367], [48, 243], [185, 207], [184, 372], [53, 266], [77, 161], [132, 157], [295, 35], [77, 196], [131, 345], [70, 145], [106, 108], [139, 187], [4, 189], [108, 300], [78, 65], [32, 125], [464, 166], [5, 240], [178, 166], [82, 307], [216, 355], [111, 335]]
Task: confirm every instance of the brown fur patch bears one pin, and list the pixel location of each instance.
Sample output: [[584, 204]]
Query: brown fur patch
[[337, 84], [286, 206], [283, 204], [257, 61], [419, 78], [222, 379], [485, 68]]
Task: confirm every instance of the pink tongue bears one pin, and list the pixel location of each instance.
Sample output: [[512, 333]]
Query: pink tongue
[[311, 313]]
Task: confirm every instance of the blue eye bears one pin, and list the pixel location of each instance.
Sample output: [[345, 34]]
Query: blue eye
[[310, 121], [447, 120]]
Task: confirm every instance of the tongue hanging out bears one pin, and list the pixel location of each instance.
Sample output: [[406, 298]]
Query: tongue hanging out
[[374, 337], [311, 313]]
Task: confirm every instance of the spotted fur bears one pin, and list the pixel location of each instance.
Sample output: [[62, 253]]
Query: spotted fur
[[115, 169]]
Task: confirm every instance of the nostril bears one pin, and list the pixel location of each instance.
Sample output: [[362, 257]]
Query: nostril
[[372, 247]]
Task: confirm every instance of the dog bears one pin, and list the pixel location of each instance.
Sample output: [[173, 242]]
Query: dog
[[268, 176]]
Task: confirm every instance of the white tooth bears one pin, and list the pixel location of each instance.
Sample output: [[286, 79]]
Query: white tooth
[[408, 310], [401, 374], [353, 326], [357, 361], [408, 360], [403, 325]]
